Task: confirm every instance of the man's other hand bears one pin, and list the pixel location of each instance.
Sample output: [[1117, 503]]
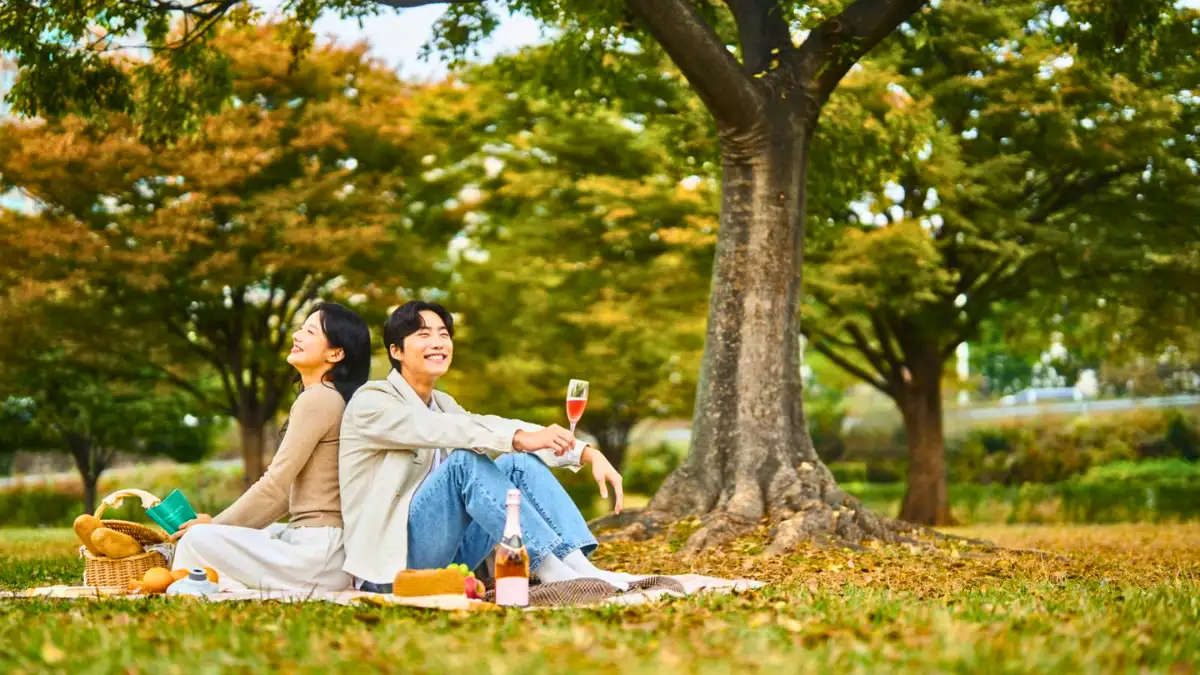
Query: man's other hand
[[605, 475]]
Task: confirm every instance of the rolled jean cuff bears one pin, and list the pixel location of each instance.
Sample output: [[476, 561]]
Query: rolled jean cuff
[[536, 556], [564, 548]]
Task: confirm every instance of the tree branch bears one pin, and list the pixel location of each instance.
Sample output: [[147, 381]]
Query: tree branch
[[846, 365], [720, 81], [1075, 191], [863, 346], [883, 334], [836, 45], [762, 31]]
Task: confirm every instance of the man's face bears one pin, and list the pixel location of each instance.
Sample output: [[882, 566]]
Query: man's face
[[427, 352]]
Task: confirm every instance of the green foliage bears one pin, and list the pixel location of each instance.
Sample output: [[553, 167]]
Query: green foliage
[[849, 472], [1011, 175], [1038, 450], [825, 412], [1124, 491], [1048, 451], [1148, 491], [40, 506]]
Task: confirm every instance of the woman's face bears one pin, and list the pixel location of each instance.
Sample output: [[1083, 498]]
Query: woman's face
[[310, 348]]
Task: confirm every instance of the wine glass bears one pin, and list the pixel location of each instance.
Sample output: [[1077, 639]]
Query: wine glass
[[577, 395]]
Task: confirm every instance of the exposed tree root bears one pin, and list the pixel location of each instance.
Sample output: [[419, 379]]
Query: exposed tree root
[[845, 524]]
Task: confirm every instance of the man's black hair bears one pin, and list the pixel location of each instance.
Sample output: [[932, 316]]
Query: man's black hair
[[407, 320]]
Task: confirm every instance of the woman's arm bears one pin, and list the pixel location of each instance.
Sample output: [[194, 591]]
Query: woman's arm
[[313, 414]]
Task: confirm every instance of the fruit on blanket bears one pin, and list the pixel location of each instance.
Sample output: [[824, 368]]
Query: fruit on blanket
[[115, 544], [85, 525], [412, 583], [212, 574], [135, 585], [179, 573], [474, 588], [157, 579]]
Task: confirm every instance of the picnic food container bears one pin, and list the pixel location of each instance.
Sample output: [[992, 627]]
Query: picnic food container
[[196, 583], [118, 572]]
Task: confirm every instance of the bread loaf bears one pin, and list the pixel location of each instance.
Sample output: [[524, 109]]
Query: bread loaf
[[85, 525], [115, 544], [428, 582]]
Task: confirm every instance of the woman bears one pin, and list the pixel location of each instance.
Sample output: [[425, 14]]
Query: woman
[[332, 354]]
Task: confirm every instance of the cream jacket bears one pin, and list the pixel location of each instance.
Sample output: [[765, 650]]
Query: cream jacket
[[388, 439]]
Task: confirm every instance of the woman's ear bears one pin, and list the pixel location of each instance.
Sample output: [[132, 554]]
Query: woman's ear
[[337, 355]]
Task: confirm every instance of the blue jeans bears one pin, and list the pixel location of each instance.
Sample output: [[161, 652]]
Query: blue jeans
[[458, 513]]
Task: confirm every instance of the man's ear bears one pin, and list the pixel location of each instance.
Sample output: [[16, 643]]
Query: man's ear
[[396, 351]]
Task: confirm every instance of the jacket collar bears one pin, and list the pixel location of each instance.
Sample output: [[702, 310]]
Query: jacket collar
[[408, 394]]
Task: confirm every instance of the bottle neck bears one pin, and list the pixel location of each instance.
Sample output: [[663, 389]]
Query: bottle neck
[[512, 524]]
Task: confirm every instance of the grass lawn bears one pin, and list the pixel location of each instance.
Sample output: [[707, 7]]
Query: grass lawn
[[1121, 598]]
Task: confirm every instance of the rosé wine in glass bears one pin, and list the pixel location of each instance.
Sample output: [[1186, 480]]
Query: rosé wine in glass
[[577, 395]]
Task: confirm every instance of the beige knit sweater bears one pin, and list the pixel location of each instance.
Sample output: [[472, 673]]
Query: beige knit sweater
[[302, 480]]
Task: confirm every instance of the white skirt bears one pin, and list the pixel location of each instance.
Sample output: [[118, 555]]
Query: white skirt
[[274, 558]]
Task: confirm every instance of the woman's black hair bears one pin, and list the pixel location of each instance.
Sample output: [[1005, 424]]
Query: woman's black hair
[[345, 330]]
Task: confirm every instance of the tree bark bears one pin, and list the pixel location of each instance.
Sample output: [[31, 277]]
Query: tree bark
[[613, 437], [89, 468], [926, 500], [253, 430]]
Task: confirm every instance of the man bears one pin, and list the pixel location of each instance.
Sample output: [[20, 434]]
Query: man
[[418, 490]]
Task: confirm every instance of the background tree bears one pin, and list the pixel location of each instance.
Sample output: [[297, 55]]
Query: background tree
[[1019, 172], [54, 401], [218, 243]]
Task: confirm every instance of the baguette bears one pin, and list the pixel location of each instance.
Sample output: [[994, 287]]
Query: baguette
[[115, 544], [85, 525]]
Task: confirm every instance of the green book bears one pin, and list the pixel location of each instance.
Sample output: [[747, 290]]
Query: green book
[[172, 512]]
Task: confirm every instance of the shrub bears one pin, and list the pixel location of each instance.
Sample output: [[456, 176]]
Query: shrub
[[209, 489], [849, 472], [646, 468]]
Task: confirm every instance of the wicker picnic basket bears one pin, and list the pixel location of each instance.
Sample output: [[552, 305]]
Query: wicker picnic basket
[[118, 572]]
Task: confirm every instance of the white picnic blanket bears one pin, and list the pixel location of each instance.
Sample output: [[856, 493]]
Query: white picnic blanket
[[692, 584]]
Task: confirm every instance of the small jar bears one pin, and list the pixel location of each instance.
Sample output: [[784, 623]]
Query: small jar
[[196, 584]]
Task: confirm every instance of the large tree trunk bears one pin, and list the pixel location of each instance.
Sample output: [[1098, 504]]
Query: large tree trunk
[[751, 456], [253, 429], [751, 459], [926, 500]]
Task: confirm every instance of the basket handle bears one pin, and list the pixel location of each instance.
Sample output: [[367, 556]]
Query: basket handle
[[114, 500]]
